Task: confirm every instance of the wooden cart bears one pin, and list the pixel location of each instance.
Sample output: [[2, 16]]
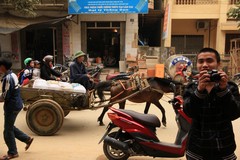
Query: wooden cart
[[47, 108]]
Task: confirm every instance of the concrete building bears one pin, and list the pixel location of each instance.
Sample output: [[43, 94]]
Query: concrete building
[[51, 33], [194, 24], [105, 35], [22, 36]]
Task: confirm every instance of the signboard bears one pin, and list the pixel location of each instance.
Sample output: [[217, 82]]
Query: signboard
[[166, 22], [107, 6]]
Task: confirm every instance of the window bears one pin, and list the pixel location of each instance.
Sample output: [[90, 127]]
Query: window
[[228, 38], [187, 44]]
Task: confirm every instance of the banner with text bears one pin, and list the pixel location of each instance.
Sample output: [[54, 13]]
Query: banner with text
[[107, 6]]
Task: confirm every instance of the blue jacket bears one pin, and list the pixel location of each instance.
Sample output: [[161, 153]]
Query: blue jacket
[[77, 70], [11, 93]]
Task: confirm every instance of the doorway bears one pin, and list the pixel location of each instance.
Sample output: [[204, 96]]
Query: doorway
[[104, 43], [39, 43], [105, 40]]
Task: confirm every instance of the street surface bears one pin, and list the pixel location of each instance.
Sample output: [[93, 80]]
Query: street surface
[[79, 136]]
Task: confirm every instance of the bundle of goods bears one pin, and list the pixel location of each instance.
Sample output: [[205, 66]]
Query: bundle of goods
[[56, 85]]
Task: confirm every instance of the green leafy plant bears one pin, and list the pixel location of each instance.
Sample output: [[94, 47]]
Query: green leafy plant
[[24, 6], [234, 13]]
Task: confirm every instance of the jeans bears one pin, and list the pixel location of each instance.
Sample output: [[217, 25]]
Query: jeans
[[11, 132]]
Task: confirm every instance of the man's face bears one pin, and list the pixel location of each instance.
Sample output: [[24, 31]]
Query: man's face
[[80, 59], [207, 61], [2, 69]]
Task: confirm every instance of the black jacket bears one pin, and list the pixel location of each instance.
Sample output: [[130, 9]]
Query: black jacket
[[211, 131], [47, 72], [77, 70]]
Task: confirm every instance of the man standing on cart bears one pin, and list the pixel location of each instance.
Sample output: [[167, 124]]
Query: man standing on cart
[[78, 72]]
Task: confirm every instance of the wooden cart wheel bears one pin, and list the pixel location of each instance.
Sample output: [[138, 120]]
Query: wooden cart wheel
[[45, 117], [66, 113]]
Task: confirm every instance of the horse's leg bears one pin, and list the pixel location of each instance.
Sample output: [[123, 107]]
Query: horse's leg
[[164, 121], [147, 107], [100, 118], [105, 109], [122, 105]]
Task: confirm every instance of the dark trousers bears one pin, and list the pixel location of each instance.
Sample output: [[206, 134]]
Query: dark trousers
[[85, 81], [11, 132], [214, 157]]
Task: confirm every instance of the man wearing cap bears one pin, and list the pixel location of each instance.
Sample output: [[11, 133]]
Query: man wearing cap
[[78, 72]]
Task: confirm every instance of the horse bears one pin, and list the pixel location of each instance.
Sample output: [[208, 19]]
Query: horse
[[158, 86]]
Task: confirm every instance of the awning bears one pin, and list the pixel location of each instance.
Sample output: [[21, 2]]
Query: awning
[[9, 23]]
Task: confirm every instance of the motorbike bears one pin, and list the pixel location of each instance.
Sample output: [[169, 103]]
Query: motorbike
[[136, 134], [94, 71], [122, 75]]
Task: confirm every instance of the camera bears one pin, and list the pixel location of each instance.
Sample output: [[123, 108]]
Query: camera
[[214, 76]]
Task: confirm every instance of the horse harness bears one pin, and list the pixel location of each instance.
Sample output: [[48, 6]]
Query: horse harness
[[136, 83]]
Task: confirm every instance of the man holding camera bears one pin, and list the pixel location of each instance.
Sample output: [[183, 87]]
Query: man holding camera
[[212, 102]]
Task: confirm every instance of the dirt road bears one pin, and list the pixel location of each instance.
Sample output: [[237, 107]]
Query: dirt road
[[79, 136]]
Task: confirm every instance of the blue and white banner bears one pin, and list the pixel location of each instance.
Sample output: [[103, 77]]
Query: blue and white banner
[[107, 6]]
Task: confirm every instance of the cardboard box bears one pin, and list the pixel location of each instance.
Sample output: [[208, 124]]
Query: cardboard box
[[131, 64], [143, 73], [142, 64], [151, 72], [130, 58], [159, 70], [151, 63]]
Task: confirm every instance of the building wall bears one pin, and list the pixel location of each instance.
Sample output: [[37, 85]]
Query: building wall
[[6, 46], [5, 43], [131, 35], [188, 27], [183, 21]]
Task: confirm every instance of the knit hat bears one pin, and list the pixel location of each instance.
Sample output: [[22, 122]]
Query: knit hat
[[78, 54]]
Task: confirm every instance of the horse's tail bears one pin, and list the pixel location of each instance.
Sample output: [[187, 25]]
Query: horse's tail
[[103, 86]]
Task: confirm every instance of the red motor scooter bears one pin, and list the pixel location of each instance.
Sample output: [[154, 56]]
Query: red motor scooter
[[137, 134]]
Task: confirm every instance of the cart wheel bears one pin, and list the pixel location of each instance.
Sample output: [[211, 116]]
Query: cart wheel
[[66, 113], [45, 117]]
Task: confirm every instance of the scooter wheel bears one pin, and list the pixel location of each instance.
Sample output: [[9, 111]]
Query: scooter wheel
[[112, 153]]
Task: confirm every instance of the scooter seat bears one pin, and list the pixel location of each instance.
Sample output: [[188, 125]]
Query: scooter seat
[[146, 119]]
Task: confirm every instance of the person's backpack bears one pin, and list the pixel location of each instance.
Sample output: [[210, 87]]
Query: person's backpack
[[20, 76]]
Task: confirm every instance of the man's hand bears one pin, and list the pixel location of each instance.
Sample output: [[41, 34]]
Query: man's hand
[[89, 76], [58, 79], [223, 81], [203, 80]]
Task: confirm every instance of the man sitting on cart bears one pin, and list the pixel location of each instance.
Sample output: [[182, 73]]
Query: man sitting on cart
[[78, 72]]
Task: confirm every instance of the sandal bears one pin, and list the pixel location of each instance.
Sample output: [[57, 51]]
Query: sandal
[[29, 143], [10, 156]]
